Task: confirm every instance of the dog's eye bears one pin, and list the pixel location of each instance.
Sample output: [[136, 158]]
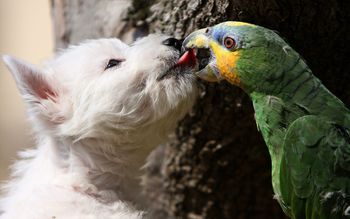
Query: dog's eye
[[114, 62]]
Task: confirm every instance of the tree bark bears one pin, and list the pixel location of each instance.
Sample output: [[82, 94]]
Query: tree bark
[[218, 166]]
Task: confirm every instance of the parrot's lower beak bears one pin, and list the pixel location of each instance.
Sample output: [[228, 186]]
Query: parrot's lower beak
[[198, 41]]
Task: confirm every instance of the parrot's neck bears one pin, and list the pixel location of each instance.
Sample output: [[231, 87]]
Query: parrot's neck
[[298, 93]]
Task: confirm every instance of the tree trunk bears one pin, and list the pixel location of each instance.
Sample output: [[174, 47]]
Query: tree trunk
[[218, 166]]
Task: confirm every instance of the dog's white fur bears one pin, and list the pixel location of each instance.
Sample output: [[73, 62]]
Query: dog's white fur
[[95, 128]]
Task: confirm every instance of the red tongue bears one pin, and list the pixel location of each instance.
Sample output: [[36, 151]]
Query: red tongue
[[187, 59]]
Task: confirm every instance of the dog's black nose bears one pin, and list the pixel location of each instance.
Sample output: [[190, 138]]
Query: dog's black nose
[[173, 43]]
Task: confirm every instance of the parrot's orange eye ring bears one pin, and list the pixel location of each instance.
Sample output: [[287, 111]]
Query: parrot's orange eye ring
[[229, 42]]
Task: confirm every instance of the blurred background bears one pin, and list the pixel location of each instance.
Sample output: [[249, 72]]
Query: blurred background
[[26, 32]]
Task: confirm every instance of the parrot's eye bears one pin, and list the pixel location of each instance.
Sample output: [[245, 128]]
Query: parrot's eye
[[113, 62], [229, 42]]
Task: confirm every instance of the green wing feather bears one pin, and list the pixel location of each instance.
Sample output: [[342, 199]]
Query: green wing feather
[[315, 169]]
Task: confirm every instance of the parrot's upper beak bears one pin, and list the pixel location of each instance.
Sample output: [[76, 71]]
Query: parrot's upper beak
[[199, 42]]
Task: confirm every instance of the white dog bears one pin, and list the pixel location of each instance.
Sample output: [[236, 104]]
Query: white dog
[[98, 110]]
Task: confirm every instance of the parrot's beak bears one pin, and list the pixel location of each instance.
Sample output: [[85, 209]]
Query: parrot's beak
[[199, 42]]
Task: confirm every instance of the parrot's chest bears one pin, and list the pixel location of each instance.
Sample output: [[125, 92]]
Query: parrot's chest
[[270, 116], [273, 118]]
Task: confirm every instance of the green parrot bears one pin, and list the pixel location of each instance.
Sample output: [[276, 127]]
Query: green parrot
[[305, 126]]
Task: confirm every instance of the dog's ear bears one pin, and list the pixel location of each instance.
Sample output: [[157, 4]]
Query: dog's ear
[[36, 89], [30, 81]]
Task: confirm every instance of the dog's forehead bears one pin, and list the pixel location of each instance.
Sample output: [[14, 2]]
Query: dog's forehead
[[102, 49], [91, 57], [99, 47], [152, 38], [87, 58], [88, 52]]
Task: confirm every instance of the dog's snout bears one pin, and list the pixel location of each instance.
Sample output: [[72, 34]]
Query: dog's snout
[[173, 43]]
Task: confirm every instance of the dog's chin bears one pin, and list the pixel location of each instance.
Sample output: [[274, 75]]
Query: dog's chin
[[174, 71]]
